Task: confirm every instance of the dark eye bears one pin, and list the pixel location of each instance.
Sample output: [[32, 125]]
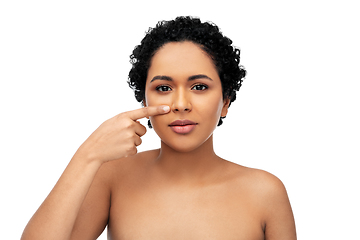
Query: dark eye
[[200, 87], [163, 88]]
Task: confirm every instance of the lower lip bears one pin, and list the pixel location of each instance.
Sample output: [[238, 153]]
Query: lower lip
[[183, 129]]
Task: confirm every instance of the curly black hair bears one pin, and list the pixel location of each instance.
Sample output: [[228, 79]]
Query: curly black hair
[[207, 35]]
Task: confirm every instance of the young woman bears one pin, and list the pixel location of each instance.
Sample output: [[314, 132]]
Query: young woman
[[186, 74]]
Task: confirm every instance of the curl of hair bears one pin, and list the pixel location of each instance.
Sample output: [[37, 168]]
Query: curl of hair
[[207, 35]]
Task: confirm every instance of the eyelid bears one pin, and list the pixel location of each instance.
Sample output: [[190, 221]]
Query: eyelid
[[157, 88], [200, 84]]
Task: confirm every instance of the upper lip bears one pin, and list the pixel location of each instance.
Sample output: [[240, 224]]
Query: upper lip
[[182, 122]]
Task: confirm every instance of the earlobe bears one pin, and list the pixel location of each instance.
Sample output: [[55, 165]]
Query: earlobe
[[225, 108]]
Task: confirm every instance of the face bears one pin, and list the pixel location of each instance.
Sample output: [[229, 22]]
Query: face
[[184, 77]]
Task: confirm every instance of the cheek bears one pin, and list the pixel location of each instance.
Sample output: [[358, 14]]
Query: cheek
[[153, 99], [210, 106]]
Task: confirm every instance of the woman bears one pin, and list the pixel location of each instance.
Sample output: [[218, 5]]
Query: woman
[[186, 74]]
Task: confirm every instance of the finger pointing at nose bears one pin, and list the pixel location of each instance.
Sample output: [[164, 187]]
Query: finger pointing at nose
[[148, 111]]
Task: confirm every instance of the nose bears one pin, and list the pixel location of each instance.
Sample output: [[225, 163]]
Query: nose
[[181, 102]]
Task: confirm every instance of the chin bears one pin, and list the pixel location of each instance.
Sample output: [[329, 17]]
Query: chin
[[184, 143], [181, 148]]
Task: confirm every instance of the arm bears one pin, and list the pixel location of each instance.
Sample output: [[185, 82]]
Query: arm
[[56, 216], [62, 214], [94, 212], [279, 219]]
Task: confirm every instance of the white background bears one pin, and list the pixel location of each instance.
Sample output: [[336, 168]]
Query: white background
[[63, 71]]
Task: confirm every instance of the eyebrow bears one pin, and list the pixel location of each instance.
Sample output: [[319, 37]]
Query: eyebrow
[[191, 78]]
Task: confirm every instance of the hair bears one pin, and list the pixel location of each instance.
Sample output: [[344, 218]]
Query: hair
[[207, 35]]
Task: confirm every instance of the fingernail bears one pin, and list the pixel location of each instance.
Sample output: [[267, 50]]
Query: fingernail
[[166, 108]]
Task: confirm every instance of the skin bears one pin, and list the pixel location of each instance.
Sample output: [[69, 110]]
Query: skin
[[181, 191]]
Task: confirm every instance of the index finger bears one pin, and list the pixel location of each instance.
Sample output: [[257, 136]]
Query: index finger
[[148, 111]]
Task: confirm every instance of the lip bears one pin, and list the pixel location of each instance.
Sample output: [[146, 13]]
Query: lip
[[182, 126]]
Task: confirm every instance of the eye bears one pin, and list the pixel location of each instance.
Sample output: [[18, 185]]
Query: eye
[[163, 88], [200, 87]]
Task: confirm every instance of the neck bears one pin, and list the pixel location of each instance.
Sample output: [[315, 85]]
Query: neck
[[198, 163]]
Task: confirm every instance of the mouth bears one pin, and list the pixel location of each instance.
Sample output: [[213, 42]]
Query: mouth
[[182, 126]]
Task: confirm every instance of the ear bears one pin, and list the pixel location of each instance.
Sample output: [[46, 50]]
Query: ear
[[225, 108]]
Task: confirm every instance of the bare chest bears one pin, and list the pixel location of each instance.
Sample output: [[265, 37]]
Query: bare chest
[[160, 213]]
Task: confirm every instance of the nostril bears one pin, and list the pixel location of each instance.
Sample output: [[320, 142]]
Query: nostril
[[181, 109]]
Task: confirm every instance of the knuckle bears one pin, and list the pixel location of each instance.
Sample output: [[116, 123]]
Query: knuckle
[[129, 135], [128, 124], [130, 149]]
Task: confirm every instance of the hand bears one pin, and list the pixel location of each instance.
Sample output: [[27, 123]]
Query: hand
[[119, 136]]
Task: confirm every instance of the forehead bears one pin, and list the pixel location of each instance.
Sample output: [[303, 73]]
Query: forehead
[[181, 59]]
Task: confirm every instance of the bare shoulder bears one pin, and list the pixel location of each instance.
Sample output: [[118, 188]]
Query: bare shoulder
[[265, 182], [256, 179], [262, 188], [270, 189], [268, 195]]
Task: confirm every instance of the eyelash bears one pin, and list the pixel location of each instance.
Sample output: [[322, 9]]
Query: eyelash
[[161, 88], [203, 87]]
